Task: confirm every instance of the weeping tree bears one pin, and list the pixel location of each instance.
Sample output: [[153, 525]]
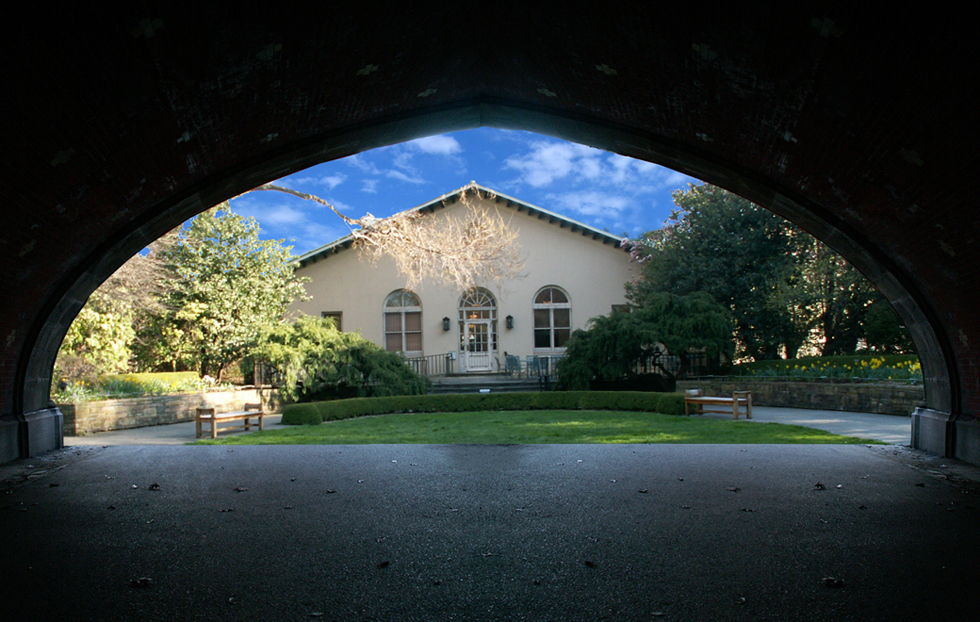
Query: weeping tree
[[317, 361], [613, 345]]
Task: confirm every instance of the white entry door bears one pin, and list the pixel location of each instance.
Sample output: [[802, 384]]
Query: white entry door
[[478, 348]]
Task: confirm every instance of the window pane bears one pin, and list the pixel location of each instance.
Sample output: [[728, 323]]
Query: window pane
[[542, 318], [542, 338], [393, 322], [543, 297], [413, 342], [410, 300], [562, 318], [558, 296], [393, 342], [561, 337], [413, 321]]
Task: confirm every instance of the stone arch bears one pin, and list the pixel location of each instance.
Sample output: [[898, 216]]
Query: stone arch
[[819, 118], [935, 354]]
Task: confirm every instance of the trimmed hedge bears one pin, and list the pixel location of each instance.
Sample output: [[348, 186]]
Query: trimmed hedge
[[314, 413]]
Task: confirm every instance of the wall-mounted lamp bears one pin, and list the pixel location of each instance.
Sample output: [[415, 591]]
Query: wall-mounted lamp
[[445, 323], [510, 321]]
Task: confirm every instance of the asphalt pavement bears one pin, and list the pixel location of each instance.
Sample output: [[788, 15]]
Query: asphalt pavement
[[486, 533], [143, 531]]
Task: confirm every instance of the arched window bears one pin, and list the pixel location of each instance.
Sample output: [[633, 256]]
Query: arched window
[[552, 319], [403, 323]]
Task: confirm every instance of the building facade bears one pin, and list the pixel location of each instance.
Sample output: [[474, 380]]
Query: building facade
[[572, 273]]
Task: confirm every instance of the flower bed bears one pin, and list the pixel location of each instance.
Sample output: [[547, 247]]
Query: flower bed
[[857, 367]]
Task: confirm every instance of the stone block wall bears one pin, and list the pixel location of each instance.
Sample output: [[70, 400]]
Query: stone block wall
[[878, 398], [88, 417]]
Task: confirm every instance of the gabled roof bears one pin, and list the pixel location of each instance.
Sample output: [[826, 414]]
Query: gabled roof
[[453, 197]]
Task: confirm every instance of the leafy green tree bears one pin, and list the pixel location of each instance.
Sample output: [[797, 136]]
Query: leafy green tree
[[229, 286], [884, 331], [614, 344], [317, 361], [834, 298], [101, 338], [98, 339], [787, 291], [740, 253]]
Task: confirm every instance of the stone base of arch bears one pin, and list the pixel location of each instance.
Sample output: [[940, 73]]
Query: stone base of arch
[[31, 434], [946, 434]]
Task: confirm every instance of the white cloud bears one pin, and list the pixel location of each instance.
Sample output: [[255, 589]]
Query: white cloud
[[403, 160], [369, 185], [549, 161], [281, 216], [594, 204], [439, 145], [331, 181], [406, 178], [367, 167]]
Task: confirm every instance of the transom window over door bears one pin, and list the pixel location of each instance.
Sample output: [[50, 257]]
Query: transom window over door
[[403, 323], [552, 319]]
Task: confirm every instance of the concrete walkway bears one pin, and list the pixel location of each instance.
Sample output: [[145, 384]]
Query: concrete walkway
[[887, 428]]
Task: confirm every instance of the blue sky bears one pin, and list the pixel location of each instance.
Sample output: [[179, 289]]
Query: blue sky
[[602, 189]]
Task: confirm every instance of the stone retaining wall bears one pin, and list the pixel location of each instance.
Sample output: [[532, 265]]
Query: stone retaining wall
[[878, 398], [88, 417]]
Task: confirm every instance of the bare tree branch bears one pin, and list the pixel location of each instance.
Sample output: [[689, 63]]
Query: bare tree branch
[[475, 248]]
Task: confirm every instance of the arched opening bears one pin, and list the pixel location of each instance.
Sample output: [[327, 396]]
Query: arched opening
[[920, 321], [550, 311], [477, 330]]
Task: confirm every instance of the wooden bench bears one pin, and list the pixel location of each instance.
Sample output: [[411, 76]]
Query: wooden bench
[[693, 397], [252, 411]]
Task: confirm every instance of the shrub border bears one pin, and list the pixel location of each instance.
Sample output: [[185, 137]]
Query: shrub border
[[315, 413]]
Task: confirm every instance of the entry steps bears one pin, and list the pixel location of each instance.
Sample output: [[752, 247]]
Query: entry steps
[[486, 383]]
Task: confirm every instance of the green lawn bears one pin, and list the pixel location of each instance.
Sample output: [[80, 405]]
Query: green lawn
[[536, 426]]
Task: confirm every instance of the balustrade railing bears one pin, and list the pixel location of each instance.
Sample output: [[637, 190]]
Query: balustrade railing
[[432, 365]]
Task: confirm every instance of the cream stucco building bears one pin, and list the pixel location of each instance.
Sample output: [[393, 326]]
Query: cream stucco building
[[572, 272]]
